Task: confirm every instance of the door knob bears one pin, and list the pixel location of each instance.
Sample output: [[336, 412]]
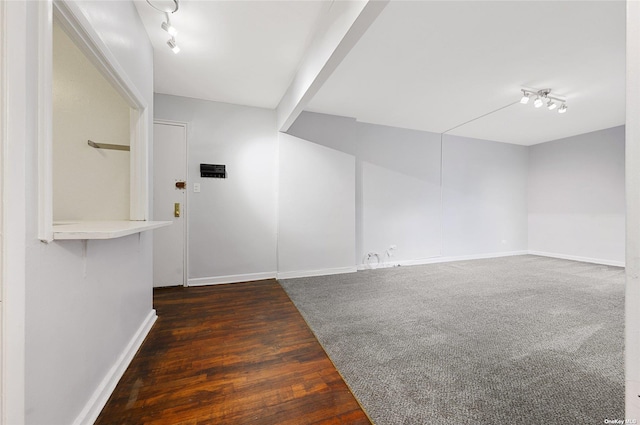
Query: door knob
[[176, 209]]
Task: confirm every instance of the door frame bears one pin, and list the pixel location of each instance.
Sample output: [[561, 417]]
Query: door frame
[[2, 226], [14, 138], [185, 259]]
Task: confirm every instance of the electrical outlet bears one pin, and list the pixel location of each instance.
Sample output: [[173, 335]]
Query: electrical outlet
[[196, 187]]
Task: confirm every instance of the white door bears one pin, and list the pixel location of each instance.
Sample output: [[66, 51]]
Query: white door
[[170, 203]]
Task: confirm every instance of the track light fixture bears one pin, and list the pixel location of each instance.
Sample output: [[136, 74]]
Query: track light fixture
[[170, 6], [172, 44], [166, 7], [172, 32], [169, 28], [543, 96]]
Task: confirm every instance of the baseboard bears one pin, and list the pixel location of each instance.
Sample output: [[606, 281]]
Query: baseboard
[[434, 260], [234, 278], [101, 395], [578, 258], [322, 272]]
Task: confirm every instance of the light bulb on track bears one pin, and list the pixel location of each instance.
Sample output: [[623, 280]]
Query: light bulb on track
[[172, 44], [169, 28], [543, 97]]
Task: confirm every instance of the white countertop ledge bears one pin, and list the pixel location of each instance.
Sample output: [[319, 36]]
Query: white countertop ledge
[[66, 230]]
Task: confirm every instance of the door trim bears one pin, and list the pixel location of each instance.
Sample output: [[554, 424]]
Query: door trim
[[14, 110], [2, 137], [185, 260]]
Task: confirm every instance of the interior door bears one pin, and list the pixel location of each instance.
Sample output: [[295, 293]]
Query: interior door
[[169, 203]]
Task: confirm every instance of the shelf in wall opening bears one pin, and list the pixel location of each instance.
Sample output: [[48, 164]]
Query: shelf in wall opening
[[74, 230]]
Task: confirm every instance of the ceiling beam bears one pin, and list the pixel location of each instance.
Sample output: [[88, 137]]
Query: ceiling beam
[[339, 30]]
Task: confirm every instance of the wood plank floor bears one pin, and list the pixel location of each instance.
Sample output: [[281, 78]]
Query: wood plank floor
[[230, 354]]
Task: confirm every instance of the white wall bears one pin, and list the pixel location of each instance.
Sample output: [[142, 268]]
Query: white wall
[[399, 188], [484, 197], [82, 307], [339, 133], [232, 221], [562, 198], [316, 209], [577, 197], [483, 207], [332, 131], [16, 110], [88, 183]]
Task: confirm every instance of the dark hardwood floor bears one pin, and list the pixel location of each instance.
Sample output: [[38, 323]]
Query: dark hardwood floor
[[230, 354]]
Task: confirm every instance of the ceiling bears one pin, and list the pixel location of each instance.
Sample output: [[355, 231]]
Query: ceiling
[[432, 66], [242, 52], [426, 65]]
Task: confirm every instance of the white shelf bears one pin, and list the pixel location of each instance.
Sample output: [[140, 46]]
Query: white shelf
[[66, 230]]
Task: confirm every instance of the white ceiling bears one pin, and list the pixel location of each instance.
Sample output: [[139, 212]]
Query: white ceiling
[[434, 65], [427, 65], [242, 52]]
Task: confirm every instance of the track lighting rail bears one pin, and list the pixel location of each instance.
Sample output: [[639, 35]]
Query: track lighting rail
[[546, 93], [543, 96], [167, 7]]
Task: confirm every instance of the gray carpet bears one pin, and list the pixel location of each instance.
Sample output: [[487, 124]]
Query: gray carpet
[[515, 340]]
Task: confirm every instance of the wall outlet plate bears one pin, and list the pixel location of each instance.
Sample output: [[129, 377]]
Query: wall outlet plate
[[196, 187]]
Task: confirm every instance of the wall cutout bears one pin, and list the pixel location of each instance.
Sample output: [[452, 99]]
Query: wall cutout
[[88, 183]]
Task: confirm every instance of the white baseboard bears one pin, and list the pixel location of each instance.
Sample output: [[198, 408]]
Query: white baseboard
[[323, 272], [101, 395], [235, 278], [434, 260], [578, 258]]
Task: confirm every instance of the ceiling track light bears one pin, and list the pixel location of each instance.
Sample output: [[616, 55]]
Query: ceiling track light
[[542, 96], [172, 44], [167, 6], [169, 28]]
